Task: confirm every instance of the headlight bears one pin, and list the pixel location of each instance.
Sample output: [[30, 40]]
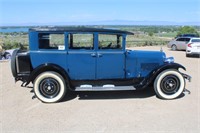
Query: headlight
[[169, 60]]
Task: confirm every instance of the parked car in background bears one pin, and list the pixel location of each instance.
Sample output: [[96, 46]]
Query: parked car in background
[[179, 43], [188, 35], [193, 47], [5, 55], [89, 59]]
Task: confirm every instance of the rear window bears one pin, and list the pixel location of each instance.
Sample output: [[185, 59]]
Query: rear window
[[51, 41], [195, 40], [180, 39], [183, 39]]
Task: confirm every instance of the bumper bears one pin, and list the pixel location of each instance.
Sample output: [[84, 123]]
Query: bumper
[[191, 51], [187, 77]]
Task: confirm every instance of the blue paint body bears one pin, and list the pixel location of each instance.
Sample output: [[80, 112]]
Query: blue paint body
[[96, 64]]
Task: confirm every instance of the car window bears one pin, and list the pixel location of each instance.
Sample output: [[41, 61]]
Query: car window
[[183, 39], [51, 41], [187, 39], [180, 39], [195, 40], [110, 41], [81, 41]]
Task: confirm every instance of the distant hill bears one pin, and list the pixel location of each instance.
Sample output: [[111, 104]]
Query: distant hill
[[106, 22]]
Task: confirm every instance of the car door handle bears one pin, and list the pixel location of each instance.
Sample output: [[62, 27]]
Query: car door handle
[[99, 55], [93, 55]]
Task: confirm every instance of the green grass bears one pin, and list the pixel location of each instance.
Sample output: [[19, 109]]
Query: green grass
[[13, 41], [168, 34]]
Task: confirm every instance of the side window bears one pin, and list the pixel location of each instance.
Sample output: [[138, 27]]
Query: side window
[[51, 41], [187, 39], [110, 41], [181, 39], [81, 41]]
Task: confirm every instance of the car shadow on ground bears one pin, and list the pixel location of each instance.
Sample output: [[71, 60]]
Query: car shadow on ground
[[103, 95]]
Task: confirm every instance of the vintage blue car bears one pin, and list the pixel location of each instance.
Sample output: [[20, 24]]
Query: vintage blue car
[[91, 59]]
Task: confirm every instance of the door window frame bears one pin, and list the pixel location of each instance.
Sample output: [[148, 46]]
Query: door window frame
[[51, 48], [67, 34]]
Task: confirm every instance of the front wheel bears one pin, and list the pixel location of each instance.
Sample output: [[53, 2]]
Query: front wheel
[[49, 87], [169, 84]]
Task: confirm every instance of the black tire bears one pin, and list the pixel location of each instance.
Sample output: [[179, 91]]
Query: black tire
[[174, 47], [169, 84], [13, 62], [187, 55], [49, 87]]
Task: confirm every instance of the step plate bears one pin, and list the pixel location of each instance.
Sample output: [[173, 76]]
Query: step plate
[[116, 88]]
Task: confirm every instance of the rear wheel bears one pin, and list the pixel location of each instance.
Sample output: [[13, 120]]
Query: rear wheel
[[169, 84], [174, 47], [49, 87]]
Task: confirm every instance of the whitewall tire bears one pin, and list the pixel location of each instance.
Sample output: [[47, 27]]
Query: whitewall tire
[[49, 87], [169, 84]]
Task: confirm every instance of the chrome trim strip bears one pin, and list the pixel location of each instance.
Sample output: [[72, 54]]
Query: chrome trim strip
[[17, 64]]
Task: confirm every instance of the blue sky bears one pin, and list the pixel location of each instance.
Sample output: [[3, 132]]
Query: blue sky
[[53, 11]]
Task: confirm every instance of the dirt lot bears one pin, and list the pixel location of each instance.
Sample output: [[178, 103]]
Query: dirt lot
[[128, 111]]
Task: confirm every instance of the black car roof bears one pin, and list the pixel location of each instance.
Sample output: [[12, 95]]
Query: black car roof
[[78, 29]]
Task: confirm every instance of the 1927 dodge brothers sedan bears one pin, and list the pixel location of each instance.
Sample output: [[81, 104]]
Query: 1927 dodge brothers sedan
[[91, 59]]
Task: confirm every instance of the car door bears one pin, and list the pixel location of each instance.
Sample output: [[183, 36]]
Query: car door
[[110, 57], [180, 42], [81, 56]]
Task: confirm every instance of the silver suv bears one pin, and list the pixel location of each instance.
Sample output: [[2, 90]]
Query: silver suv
[[179, 43]]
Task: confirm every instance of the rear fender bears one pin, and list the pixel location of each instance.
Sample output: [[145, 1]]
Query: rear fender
[[47, 67]]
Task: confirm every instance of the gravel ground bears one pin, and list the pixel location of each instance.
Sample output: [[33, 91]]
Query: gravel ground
[[126, 111]]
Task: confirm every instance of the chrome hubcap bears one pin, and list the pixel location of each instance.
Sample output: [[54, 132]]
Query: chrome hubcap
[[170, 84], [49, 87]]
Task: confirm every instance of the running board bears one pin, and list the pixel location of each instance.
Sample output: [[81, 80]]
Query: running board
[[104, 88]]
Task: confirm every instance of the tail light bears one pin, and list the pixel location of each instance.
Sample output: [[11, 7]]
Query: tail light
[[189, 45]]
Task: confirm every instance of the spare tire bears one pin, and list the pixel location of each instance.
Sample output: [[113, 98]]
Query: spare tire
[[13, 62]]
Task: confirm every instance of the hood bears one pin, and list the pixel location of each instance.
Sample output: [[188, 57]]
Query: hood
[[139, 63], [141, 54]]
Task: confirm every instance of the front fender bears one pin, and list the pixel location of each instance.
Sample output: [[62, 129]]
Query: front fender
[[153, 74]]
